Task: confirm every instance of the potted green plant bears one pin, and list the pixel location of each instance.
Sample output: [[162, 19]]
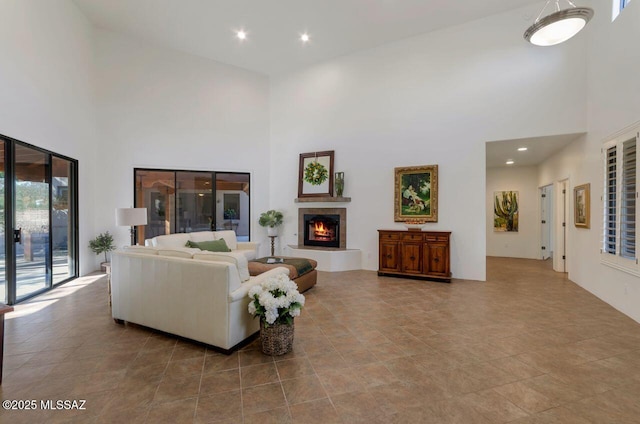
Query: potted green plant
[[271, 219], [103, 243]]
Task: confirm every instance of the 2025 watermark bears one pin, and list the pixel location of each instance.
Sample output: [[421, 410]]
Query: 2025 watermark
[[47, 404]]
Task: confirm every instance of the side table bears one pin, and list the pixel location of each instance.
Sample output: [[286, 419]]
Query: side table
[[3, 310], [273, 240]]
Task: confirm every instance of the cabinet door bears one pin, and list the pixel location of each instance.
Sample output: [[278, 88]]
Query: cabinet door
[[436, 259], [412, 258], [388, 256]]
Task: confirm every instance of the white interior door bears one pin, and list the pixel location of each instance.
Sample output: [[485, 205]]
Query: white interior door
[[546, 222], [560, 236]]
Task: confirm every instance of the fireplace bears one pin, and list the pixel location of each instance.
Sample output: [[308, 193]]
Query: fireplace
[[322, 228]]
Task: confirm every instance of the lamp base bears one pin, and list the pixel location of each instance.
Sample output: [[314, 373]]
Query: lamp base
[[133, 236]]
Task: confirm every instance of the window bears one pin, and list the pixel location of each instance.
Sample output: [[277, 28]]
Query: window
[[618, 5], [619, 201], [189, 201]]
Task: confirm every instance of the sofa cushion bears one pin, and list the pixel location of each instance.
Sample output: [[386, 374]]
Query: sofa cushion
[[211, 246], [143, 250], [229, 237], [170, 241], [235, 258], [199, 236], [175, 253]]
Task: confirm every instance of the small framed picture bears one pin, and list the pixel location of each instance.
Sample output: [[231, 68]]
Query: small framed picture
[[582, 205], [315, 177]]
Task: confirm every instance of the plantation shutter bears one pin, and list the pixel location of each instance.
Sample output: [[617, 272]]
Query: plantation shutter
[[610, 205], [628, 200]]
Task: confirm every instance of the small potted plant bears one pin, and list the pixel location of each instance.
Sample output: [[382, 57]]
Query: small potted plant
[[271, 219], [103, 243], [276, 301]]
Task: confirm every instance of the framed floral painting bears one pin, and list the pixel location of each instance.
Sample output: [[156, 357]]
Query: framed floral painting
[[416, 194], [582, 205], [315, 177]]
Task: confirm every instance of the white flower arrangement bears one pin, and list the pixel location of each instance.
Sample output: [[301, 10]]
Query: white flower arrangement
[[276, 300]]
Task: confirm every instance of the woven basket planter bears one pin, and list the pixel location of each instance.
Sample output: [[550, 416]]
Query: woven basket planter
[[277, 339]]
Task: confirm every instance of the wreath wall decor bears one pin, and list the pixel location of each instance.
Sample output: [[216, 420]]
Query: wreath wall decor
[[315, 173], [315, 177]]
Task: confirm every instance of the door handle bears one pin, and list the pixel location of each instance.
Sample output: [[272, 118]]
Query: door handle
[[17, 235]]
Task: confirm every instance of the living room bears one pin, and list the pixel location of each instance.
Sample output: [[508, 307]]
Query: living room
[[115, 101]]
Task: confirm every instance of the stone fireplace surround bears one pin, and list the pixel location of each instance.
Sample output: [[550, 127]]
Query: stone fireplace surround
[[341, 212]]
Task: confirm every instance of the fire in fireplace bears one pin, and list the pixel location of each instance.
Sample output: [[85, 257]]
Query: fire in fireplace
[[322, 230]]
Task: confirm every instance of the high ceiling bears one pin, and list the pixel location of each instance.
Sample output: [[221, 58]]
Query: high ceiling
[[538, 150], [336, 27]]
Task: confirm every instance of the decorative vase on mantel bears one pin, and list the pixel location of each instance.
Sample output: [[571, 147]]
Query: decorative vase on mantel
[[338, 183], [277, 339]]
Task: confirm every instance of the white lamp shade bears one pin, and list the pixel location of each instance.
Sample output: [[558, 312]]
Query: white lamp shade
[[130, 217]]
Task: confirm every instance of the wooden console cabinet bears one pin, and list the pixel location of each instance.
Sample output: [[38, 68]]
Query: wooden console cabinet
[[414, 254]]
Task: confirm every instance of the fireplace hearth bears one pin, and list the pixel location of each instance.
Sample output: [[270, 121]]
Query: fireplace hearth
[[322, 228]]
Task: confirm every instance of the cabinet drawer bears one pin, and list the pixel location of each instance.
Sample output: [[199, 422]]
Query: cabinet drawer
[[436, 238], [389, 236], [412, 237]]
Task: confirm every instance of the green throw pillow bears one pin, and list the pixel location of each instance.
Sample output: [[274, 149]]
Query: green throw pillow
[[211, 246]]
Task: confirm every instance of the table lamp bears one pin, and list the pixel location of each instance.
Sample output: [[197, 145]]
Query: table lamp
[[131, 217]]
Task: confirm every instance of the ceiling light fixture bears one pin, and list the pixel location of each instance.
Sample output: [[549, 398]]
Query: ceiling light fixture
[[510, 162], [241, 35], [304, 37], [558, 26], [522, 149]]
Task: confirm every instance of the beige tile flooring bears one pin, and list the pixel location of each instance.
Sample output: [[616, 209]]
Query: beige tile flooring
[[528, 346]]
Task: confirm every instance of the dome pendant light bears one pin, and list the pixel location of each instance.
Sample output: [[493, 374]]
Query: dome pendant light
[[559, 26]]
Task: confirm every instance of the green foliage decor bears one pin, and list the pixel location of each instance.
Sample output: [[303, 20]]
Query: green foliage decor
[[507, 209], [103, 243], [271, 218], [315, 173]]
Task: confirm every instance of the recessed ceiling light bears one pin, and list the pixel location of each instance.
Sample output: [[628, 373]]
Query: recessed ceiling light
[[304, 37], [510, 162], [241, 35], [522, 149]]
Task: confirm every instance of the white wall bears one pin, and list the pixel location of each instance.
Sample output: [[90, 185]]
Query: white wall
[[613, 104], [160, 108], [526, 242], [47, 93], [431, 99]]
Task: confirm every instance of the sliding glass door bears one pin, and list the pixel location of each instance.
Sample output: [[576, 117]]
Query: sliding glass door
[[38, 213], [3, 229], [62, 219], [188, 201], [32, 225]]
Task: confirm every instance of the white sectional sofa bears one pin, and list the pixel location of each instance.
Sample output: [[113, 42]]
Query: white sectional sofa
[[178, 241], [197, 295]]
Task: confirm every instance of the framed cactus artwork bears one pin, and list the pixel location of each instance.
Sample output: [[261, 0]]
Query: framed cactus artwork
[[505, 211], [582, 205], [416, 194]]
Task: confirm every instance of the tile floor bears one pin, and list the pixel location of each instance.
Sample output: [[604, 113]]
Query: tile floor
[[528, 346]]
